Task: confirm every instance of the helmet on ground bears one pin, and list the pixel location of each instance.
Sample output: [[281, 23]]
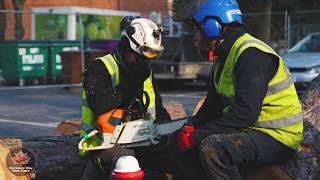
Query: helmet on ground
[[127, 164], [144, 36], [209, 15]]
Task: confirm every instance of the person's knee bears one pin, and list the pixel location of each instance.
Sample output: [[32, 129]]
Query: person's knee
[[107, 158], [213, 152]]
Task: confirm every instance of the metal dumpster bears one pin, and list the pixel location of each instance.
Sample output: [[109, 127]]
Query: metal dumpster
[[71, 64], [54, 63], [22, 60]]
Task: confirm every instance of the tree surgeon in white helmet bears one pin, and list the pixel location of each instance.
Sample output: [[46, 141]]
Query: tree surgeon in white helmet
[[120, 80]]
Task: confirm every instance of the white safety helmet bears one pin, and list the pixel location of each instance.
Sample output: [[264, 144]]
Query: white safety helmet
[[144, 36]]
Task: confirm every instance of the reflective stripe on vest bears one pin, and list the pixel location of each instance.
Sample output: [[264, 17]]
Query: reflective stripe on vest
[[280, 123], [88, 119], [112, 67], [148, 87], [286, 83], [281, 112], [274, 89]]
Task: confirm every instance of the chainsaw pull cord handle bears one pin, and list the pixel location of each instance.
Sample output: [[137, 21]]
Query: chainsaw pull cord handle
[[87, 136], [145, 105], [126, 117]]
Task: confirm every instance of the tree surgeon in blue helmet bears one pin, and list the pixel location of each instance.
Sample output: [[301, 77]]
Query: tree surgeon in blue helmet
[[251, 115]]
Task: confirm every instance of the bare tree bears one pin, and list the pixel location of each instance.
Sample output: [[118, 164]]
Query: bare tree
[[2, 21], [259, 25], [19, 31]]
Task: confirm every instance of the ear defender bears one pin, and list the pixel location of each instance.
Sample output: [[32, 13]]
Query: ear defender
[[211, 28], [126, 25]]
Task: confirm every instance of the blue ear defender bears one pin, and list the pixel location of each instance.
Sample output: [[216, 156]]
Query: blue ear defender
[[211, 28]]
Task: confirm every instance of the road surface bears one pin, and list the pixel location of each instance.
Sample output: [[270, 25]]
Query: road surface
[[36, 111]]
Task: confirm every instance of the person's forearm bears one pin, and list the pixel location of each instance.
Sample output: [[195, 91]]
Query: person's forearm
[[253, 70], [210, 109]]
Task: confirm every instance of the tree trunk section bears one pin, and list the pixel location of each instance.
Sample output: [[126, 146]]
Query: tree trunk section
[[57, 157], [305, 165]]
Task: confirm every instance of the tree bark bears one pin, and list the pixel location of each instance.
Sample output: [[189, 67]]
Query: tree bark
[[263, 24], [306, 164], [57, 157], [19, 30], [2, 22], [258, 25]]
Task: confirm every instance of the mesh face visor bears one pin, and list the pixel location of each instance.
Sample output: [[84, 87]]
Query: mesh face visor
[[184, 10], [151, 53]]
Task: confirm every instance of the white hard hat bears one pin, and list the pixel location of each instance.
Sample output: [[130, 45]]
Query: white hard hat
[[127, 164], [144, 36]]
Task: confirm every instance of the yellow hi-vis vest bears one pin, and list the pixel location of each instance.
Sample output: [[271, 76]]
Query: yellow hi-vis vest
[[281, 112], [88, 120]]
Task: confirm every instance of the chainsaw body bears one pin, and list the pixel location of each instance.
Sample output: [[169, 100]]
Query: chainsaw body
[[130, 127], [134, 133]]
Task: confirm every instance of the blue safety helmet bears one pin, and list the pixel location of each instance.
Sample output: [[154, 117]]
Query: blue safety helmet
[[210, 15]]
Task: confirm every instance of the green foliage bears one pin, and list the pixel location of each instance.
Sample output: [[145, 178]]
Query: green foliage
[[92, 31], [102, 34]]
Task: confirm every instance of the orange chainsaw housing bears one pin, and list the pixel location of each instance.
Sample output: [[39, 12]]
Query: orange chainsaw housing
[[106, 122]]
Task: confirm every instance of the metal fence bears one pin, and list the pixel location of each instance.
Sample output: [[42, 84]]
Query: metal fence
[[36, 38], [302, 23], [282, 29], [275, 28]]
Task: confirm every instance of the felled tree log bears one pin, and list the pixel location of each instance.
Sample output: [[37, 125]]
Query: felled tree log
[[306, 164], [57, 157]]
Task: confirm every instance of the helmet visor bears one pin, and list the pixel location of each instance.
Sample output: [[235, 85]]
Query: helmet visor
[[151, 53], [183, 9]]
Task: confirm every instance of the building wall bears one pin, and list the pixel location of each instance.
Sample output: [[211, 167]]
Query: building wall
[[145, 6], [142, 6], [29, 4]]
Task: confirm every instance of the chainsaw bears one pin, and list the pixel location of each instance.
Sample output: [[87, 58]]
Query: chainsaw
[[115, 128]]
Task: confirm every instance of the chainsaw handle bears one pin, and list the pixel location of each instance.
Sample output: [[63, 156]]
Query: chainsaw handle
[[145, 105], [87, 136]]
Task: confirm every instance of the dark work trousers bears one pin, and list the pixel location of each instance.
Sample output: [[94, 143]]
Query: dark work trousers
[[154, 160], [229, 156]]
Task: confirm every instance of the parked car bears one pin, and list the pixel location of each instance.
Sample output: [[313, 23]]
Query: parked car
[[303, 60]]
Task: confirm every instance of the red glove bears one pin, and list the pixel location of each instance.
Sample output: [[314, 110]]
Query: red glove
[[185, 138]]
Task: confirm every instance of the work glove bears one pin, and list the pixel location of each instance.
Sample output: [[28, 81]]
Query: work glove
[[186, 139], [89, 142]]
